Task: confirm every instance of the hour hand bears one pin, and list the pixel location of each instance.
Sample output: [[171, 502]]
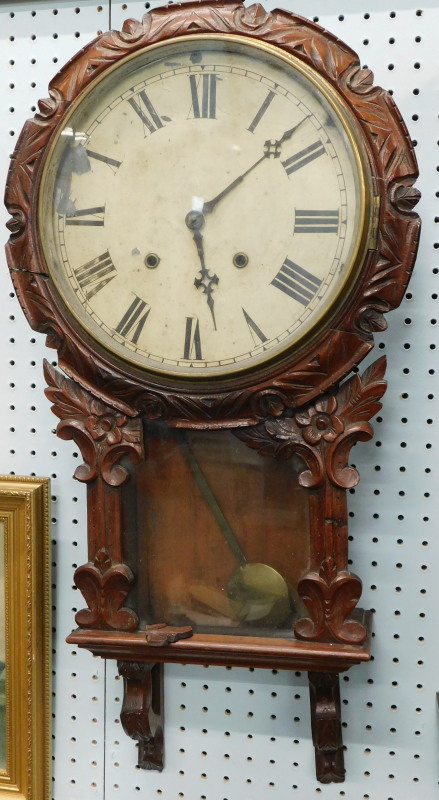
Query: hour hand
[[206, 281]]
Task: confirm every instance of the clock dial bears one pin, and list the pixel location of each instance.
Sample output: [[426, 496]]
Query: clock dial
[[204, 206]]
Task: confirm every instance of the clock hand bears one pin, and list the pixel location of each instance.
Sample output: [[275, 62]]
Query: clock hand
[[272, 149], [195, 221], [210, 204], [288, 134]]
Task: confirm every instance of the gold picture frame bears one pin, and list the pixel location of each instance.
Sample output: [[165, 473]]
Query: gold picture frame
[[25, 707]]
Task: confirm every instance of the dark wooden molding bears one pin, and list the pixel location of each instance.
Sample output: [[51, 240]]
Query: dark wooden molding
[[237, 651], [344, 339], [324, 694], [142, 714]]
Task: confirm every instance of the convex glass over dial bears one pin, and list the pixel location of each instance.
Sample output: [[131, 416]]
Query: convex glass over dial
[[204, 206]]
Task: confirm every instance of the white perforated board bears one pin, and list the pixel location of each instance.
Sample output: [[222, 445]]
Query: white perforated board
[[240, 734]]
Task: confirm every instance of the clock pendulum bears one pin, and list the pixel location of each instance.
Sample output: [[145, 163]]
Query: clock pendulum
[[259, 594]]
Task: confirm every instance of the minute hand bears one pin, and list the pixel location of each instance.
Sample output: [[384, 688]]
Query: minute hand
[[270, 149]]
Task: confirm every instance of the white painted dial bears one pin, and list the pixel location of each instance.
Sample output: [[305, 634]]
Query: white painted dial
[[204, 206]]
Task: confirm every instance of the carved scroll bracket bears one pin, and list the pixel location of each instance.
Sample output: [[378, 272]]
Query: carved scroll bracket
[[322, 434], [142, 710], [324, 693]]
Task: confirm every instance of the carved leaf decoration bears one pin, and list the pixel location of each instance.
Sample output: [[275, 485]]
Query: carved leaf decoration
[[286, 430], [102, 433], [68, 398], [344, 599], [31, 291], [103, 560], [258, 438], [361, 80], [328, 570], [371, 319], [338, 349], [387, 266], [405, 198], [358, 400]]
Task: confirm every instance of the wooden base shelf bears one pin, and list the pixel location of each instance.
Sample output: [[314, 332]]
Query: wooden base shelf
[[223, 650]]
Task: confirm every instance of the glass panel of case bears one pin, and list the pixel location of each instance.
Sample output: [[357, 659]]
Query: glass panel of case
[[223, 535]]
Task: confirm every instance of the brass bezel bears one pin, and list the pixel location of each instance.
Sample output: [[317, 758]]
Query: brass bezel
[[369, 212]]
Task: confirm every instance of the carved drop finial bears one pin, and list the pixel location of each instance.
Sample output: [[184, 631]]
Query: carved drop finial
[[105, 586]]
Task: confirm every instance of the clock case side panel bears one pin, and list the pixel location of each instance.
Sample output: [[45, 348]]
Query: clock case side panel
[[348, 335]]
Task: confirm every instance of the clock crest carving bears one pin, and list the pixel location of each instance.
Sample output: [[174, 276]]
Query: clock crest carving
[[210, 216]]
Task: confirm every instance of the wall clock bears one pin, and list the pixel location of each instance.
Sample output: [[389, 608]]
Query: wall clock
[[210, 214]]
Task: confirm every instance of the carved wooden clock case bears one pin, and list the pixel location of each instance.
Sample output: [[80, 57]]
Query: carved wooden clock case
[[205, 344]]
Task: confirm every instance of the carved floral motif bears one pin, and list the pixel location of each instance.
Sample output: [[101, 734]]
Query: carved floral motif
[[102, 433], [317, 422], [323, 433]]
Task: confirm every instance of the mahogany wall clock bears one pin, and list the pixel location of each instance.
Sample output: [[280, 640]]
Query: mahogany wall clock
[[210, 214]]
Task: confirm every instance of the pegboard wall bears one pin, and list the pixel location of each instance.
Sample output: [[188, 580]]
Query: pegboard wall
[[235, 734]]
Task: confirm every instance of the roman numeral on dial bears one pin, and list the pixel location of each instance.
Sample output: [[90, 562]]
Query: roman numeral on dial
[[87, 216], [296, 282], [132, 322], [203, 95], [146, 112], [303, 157], [192, 340], [316, 221], [111, 162], [254, 329], [255, 122], [95, 274]]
